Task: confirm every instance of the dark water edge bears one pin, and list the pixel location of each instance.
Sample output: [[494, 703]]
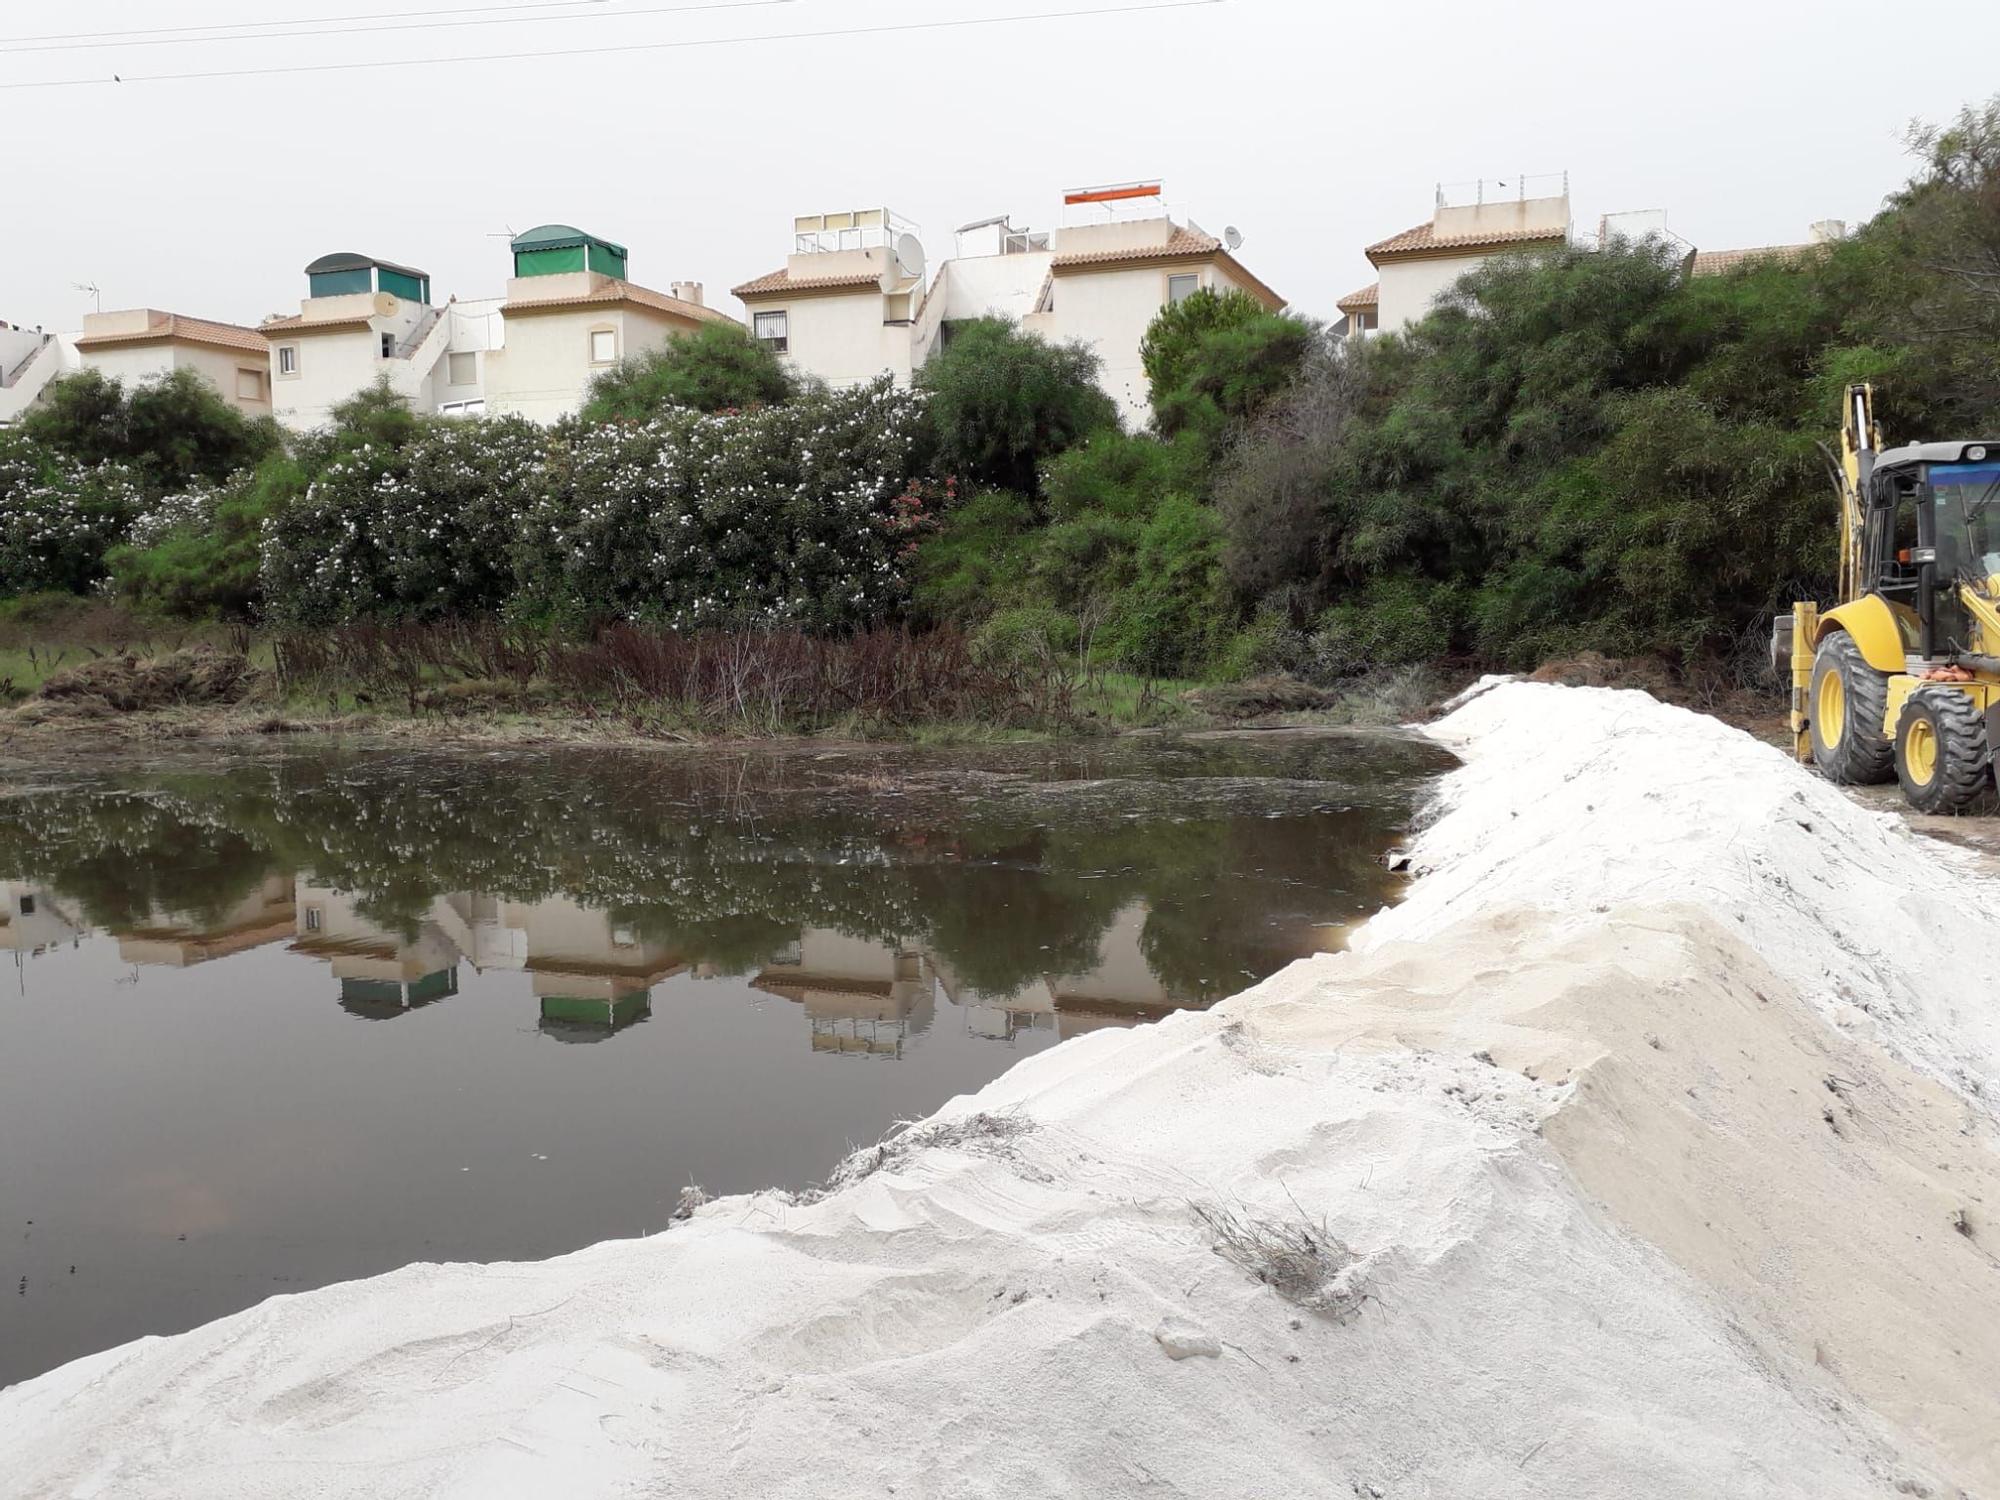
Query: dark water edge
[[287, 1018]]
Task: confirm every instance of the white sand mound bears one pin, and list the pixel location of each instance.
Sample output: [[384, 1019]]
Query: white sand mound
[[1646, 1150]]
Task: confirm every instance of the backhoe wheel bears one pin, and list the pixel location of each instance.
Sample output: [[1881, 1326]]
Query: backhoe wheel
[[1849, 700], [1941, 754]]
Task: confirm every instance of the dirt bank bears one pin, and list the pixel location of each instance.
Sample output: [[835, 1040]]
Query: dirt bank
[[1648, 1149]]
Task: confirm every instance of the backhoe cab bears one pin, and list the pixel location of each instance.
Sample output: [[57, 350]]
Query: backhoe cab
[[1902, 677]]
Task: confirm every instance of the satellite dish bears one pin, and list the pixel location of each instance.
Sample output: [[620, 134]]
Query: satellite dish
[[910, 254], [1232, 237]]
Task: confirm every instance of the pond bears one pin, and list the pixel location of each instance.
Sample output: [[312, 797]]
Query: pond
[[280, 1020]]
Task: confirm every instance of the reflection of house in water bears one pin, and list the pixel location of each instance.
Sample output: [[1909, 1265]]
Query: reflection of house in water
[[590, 977], [382, 973], [1118, 990], [860, 995], [265, 915], [31, 920]]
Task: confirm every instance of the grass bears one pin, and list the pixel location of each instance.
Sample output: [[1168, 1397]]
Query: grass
[[485, 677], [1301, 1260]]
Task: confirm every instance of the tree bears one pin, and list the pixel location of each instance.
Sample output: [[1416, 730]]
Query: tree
[[1002, 402], [168, 432], [718, 367], [1172, 338], [1230, 374]]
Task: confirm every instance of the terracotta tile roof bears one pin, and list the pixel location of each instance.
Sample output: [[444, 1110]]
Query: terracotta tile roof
[[1420, 238], [296, 324], [1715, 262], [782, 280], [1368, 296], [187, 331], [1183, 242], [621, 291]]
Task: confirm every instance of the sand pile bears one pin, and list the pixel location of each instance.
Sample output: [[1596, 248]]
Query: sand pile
[[1636, 1154]]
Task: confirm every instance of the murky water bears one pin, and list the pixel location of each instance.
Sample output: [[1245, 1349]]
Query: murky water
[[306, 1017]]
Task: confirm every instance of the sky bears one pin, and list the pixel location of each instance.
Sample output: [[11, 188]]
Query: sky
[[1314, 127]]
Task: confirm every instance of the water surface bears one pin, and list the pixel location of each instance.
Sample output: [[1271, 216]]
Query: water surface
[[284, 1020]]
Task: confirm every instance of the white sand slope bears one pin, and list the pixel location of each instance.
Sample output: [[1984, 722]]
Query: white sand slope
[[1659, 1119]]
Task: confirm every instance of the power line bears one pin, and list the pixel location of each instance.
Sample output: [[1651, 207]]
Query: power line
[[265, 36], [720, 41], [379, 15]]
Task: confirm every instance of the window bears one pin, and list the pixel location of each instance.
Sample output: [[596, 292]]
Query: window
[[461, 408], [603, 346], [1180, 288], [388, 346], [462, 369], [288, 359], [312, 919], [27, 906], [775, 329], [249, 385]]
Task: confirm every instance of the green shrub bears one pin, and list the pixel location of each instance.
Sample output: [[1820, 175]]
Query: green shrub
[[58, 517], [1026, 635], [1003, 402], [423, 531], [1168, 349], [1391, 622], [1173, 616], [805, 514], [199, 553], [718, 367], [979, 557], [168, 432]]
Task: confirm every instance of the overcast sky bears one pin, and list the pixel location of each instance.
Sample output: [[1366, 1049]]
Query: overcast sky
[[1315, 127]]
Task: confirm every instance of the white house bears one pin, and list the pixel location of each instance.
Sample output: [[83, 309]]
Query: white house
[[29, 360], [570, 314], [1106, 282], [143, 343], [1419, 265], [851, 300], [361, 319]]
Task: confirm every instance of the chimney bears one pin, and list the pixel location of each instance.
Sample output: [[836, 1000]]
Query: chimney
[[686, 291], [1826, 231]]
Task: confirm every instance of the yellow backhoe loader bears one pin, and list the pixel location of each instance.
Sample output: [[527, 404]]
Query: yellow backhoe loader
[[1902, 677]]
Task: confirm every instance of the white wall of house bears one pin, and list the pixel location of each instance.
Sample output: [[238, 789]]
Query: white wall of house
[[840, 338], [335, 357], [1410, 288], [995, 285], [1110, 309], [457, 381], [242, 377], [326, 367], [550, 355]]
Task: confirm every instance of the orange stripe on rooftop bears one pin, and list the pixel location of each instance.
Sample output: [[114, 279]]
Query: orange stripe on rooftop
[[1113, 195]]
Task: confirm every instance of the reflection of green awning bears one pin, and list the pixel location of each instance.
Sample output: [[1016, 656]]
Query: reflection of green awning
[[378, 999], [434, 985], [372, 992], [594, 1012]]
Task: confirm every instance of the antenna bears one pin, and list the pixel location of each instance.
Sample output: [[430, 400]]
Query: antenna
[[1232, 237], [91, 287], [910, 254]]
